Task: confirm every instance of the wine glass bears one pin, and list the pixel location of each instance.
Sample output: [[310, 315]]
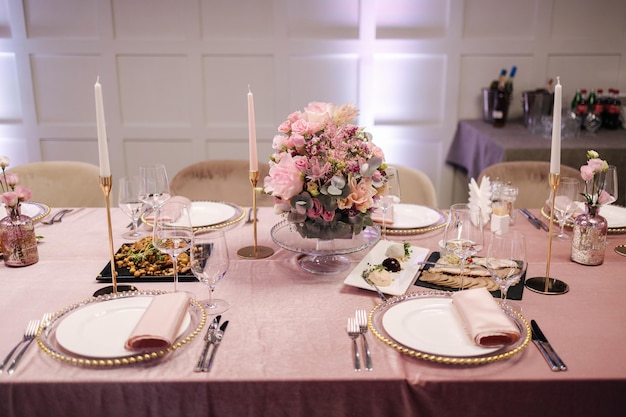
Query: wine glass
[[506, 260], [391, 195], [209, 263], [155, 187], [128, 201], [610, 184], [463, 235], [565, 203], [173, 233]]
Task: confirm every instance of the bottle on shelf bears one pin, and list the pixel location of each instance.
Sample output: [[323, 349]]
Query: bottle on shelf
[[508, 86], [581, 105], [494, 84], [577, 99], [613, 110], [500, 102]]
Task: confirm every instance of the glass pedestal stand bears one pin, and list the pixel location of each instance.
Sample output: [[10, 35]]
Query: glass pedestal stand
[[545, 284]]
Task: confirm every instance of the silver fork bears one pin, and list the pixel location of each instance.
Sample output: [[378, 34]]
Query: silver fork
[[57, 217], [354, 333], [361, 319], [29, 334]]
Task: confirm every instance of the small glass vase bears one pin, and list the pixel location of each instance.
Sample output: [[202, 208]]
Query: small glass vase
[[589, 237], [17, 238]]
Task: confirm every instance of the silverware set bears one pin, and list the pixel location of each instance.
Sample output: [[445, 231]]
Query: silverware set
[[30, 332], [534, 220], [57, 217], [357, 326], [213, 337], [549, 354]]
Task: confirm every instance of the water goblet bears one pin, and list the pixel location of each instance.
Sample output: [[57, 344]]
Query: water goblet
[[209, 263], [173, 233], [565, 203], [463, 235], [506, 261], [390, 197], [128, 201], [155, 187]]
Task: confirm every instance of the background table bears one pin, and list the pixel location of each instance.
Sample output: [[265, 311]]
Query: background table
[[477, 145], [286, 352]]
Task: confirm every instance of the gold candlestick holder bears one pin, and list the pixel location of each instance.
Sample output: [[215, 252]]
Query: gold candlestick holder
[[106, 183], [255, 251], [545, 284]]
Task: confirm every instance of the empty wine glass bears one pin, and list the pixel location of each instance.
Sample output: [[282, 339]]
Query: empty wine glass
[[155, 187], [565, 203], [506, 260], [209, 263], [390, 197], [463, 235], [128, 201], [610, 185], [173, 233]]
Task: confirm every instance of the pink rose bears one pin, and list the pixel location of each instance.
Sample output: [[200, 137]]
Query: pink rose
[[294, 116], [596, 164], [300, 127], [300, 162], [278, 142], [23, 193], [10, 198], [361, 195], [586, 172], [285, 127], [285, 179], [12, 179], [316, 210], [297, 140], [328, 216], [319, 112]]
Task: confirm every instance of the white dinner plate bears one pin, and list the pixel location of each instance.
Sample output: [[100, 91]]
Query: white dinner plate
[[100, 330], [35, 211], [431, 325], [402, 280], [614, 215], [413, 216], [210, 213]]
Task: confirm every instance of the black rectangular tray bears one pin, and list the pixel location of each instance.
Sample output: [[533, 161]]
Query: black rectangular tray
[[515, 292]]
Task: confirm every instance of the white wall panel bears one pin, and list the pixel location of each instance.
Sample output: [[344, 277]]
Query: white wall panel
[[230, 149], [507, 19], [149, 19], [174, 153], [237, 19], [329, 19], [155, 90], [63, 88], [599, 20], [5, 23], [61, 149], [69, 19], [411, 18], [10, 104]]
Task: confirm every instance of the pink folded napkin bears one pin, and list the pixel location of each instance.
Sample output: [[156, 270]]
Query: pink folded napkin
[[561, 202], [171, 210], [377, 216], [483, 318], [159, 324]]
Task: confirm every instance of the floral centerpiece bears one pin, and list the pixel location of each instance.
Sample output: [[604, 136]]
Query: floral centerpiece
[[594, 174], [326, 173], [17, 233]]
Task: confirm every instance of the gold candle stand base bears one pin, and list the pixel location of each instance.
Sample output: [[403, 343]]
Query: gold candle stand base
[[545, 284], [255, 251]]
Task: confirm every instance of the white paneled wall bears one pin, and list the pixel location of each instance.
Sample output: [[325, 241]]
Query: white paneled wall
[[175, 73]]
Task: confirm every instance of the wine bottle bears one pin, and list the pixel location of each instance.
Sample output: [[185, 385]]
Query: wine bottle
[[494, 83], [509, 82], [500, 103]]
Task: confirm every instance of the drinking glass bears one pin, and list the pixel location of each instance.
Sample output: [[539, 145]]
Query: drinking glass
[[209, 263], [390, 197], [173, 233], [610, 184], [565, 203], [506, 260], [155, 187], [128, 201], [463, 235]]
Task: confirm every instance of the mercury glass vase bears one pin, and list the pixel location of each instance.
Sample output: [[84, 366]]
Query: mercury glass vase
[[589, 237], [17, 238]]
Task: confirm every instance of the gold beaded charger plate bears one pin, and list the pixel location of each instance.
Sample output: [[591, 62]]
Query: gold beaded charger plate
[[209, 215], [92, 332], [36, 211], [423, 325], [614, 215], [415, 219]]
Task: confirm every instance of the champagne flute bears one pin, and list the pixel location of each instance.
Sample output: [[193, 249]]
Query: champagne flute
[[506, 260], [610, 184], [173, 233], [391, 195], [565, 203], [463, 235], [155, 187], [128, 201], [209, 263]]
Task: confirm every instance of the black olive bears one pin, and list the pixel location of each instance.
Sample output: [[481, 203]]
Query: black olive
[[392, 265]]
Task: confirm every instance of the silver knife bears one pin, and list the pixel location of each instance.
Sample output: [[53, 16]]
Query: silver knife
[[217, 339], [208, 340], [544, 341], [544, 352], [538, 220], [530, 218]]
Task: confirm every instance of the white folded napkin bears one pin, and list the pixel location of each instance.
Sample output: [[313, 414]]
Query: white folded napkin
[[160, 323], [480, 196], [377, 216], [483, 318], [561, 202]]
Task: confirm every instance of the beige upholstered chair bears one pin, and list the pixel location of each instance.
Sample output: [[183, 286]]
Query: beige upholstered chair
[[416, 187], [62, 183], [531, 177], [220, 180]]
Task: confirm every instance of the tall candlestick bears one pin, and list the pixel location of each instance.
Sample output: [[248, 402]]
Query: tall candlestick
[[254, 162], [103, 149], [555, 156]]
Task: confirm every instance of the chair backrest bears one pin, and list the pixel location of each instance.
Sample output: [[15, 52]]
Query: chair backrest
[[220, 180], [416, 187], [62, 183], [530, 177]]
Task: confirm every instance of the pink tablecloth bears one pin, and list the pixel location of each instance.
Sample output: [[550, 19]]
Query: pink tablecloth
[[286, 351]]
